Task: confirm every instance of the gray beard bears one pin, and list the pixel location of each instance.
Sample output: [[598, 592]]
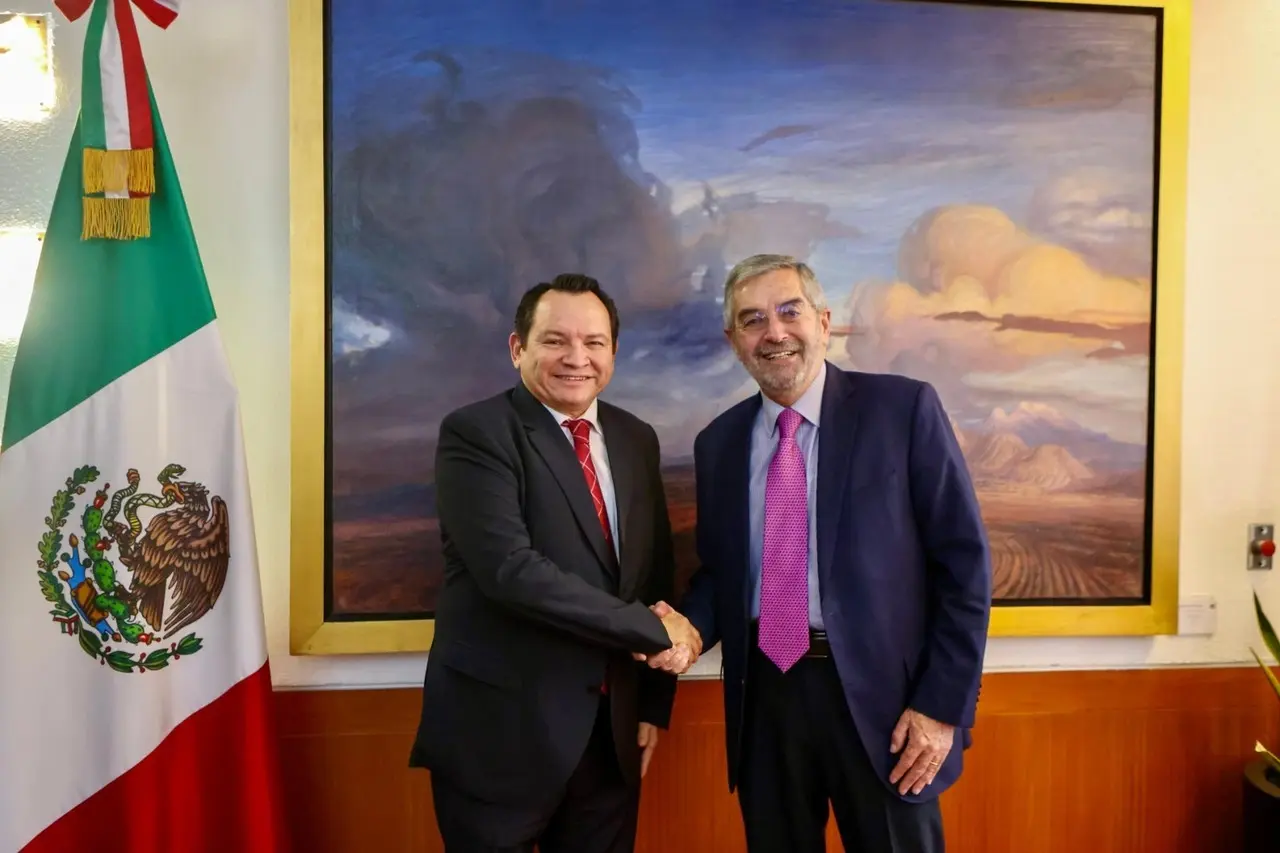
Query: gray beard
[[775, 382]]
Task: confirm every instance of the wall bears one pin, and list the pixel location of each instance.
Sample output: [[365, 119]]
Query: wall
[[31, 151], [1105, 761], [221, 77]]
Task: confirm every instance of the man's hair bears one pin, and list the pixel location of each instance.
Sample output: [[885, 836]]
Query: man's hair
[[565, 283], [756, 266]]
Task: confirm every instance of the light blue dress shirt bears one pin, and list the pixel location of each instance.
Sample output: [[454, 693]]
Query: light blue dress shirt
[[764, 441]]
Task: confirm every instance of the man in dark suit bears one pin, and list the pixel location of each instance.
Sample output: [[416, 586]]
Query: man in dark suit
[[537, 721], [846, 573]]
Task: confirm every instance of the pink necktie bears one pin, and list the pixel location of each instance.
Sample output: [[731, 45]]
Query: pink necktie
[[784, 570]]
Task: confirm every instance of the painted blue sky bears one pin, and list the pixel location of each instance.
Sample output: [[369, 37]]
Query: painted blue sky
[[893, 107], [835, 126]]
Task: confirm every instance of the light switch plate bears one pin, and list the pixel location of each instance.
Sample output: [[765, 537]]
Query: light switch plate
[[1197, 616]]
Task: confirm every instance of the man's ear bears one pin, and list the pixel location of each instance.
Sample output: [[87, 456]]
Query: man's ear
[[516, 349]]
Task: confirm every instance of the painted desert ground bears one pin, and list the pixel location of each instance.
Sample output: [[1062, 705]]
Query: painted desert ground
[[1063, 507]]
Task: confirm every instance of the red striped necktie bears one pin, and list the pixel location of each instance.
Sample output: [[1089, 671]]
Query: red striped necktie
[[581, 430]]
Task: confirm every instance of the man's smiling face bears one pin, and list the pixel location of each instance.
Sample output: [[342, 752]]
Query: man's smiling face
[[567, 359], [778, 335]]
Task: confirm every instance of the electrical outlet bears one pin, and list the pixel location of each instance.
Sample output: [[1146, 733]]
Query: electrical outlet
[[1197, 616]]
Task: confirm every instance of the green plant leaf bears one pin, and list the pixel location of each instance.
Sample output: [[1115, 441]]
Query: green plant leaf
[[1268, 637], [1271, 676], [1266, 753], [189, 645], [1268, 633]]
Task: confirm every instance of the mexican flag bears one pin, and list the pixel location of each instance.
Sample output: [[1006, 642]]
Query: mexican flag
[[135, 694]]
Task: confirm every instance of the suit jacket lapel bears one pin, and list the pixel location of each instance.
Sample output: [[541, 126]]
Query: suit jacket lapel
[[836, 437], [622, 466], [556, 450], [733, 476]]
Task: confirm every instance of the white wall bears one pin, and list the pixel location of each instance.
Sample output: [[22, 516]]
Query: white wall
[[221, 77]]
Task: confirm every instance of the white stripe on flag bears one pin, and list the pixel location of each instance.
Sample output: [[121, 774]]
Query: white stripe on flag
[[80, 725], [115, 101]]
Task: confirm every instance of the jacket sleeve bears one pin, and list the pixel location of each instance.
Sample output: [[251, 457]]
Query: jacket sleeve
[[478, 498], [657, 689], [959, 567]]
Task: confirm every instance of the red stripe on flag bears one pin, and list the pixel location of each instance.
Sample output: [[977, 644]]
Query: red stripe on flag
[[73, 8], [141, 134], [157, 13], [212, 785]]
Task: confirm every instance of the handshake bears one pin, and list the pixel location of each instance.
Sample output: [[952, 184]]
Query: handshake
[[686, 642]]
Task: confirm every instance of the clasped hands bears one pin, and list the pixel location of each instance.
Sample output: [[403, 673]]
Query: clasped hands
[[686, 642]]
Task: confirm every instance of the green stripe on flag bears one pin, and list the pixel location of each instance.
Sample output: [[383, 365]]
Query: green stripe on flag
[[93, 130], [99, 308]]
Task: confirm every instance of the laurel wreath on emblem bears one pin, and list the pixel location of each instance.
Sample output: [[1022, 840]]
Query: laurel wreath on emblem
[[177, 568]]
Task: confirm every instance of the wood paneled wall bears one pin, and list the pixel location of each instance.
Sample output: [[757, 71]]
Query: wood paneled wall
[[1141, 761]]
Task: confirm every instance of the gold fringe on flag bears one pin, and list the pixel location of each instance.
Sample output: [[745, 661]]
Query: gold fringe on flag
[[118, 170], [116, 218]]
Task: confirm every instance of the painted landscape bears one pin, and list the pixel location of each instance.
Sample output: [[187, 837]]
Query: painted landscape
[[1064, 505], [973, 185]]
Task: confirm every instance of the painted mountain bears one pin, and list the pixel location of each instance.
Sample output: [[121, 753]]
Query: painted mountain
[[1063, 504]]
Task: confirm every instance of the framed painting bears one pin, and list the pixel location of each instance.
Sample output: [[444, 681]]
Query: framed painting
[[992, 194]]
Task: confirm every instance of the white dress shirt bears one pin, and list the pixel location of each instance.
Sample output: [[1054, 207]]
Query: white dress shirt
[[600, 459]]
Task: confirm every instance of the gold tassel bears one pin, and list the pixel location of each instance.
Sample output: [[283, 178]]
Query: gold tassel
[[116, 218], [118, 170]]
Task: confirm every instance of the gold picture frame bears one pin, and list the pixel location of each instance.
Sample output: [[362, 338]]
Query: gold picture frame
[[312, 634]]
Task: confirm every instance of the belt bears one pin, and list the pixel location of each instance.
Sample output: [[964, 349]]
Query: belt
[[818, 645]]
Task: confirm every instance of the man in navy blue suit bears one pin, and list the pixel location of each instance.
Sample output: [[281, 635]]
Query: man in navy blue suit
[[845, 572]]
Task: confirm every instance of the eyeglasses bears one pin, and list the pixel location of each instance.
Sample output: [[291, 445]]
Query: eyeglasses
[[788, 312]]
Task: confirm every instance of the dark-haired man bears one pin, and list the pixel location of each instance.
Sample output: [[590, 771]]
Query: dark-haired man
[[537, 721]]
